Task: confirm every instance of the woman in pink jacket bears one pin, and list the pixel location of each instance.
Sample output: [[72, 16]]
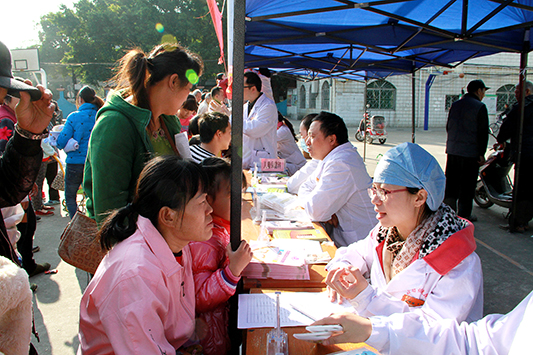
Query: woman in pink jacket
[[142, 297], [216, 268]]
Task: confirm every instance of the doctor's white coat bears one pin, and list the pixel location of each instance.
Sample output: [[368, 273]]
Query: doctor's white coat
[[339, 186], [448, 283], [496, 334], [259, 132]]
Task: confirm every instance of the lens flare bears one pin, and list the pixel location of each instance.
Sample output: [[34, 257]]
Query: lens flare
[[168, 38], [191, 76], [159, 28]]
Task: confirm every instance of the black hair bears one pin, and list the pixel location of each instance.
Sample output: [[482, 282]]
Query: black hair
[[218, 171], [288, 124], [166, 181], [330, 124], [220, 76], [190, 103], [306, 121], [89, 95], [136, 71], [265, 71], [210, 123], [426, 212], [253, 79], [215, 91], [194, 129]]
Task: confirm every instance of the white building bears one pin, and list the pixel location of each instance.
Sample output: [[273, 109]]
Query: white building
[[392, 98]]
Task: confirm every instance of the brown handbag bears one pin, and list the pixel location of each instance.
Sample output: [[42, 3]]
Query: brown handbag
[[79, 246]]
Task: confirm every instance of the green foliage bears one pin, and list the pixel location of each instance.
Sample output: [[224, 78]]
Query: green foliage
[[97, 33]]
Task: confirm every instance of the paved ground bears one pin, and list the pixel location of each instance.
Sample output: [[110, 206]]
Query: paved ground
[[506, 258]]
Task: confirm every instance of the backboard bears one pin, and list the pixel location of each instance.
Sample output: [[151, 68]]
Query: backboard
[[25, 59]]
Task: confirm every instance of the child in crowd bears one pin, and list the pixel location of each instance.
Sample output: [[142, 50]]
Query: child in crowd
[[216, 268]]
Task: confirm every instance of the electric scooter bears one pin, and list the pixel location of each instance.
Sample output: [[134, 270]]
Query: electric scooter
[[494, 185]]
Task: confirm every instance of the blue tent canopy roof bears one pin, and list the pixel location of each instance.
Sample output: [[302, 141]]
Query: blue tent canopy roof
[[389, 35]]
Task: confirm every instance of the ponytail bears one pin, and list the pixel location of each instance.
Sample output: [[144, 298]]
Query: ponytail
[[132, 75], [119, 225], [137, 70], [89, 95]]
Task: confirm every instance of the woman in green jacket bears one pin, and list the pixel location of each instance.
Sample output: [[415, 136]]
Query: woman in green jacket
[[137, 123]]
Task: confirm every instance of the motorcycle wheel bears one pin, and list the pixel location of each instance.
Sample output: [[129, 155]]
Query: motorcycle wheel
[[382, 140], [480, 196], [359, 136], [369, 139]]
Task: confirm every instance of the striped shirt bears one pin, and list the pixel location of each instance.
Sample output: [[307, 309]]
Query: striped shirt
[[198, 153]]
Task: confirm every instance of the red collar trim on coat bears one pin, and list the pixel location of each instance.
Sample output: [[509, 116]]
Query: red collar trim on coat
[[448, 255], [452, 251]]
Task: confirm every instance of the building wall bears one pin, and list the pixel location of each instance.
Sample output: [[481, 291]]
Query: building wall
[[347, 97]]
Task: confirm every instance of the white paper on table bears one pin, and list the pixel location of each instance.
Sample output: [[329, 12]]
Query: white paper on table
[[182, 145], [258, 310]]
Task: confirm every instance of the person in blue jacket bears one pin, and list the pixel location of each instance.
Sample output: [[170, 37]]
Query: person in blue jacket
[[74, 139]]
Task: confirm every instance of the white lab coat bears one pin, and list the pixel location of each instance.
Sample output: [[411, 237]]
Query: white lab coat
[[298, 178], [496, 334], [288, 150], [455, 291], [259, 132], [339, 186]]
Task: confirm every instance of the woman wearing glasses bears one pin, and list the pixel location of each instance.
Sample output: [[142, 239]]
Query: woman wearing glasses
[[137, 123], [420, 258]]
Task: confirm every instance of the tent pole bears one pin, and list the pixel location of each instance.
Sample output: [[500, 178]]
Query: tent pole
[[413, 106], [522, 83], [238, 7]]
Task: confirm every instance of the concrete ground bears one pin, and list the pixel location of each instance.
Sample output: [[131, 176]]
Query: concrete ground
[[506, 258]]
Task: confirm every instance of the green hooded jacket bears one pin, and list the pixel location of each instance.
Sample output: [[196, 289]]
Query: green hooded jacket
[[119, 147]]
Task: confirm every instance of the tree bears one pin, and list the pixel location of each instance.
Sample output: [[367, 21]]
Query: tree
[[97, 33]]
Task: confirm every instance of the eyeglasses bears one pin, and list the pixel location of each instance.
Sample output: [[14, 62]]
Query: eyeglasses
[[382, 193]]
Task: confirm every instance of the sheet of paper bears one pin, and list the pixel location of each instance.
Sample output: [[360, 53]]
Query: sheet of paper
[[258, 310], [182, 145]]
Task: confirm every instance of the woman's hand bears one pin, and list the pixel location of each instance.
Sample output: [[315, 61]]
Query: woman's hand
[[239, 258], [35, 116], [356, 329], [347, 282]]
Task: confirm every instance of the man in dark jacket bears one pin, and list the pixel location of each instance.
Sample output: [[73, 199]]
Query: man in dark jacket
[[22, 158], [468, 128], [509, 130]]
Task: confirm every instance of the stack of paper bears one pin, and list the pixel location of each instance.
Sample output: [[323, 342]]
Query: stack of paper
[[280, 202], [276, 260]]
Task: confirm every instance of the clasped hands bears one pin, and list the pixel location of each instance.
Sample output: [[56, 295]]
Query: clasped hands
[[345, 283]]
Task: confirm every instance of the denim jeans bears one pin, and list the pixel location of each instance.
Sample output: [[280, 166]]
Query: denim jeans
[[73, 179]]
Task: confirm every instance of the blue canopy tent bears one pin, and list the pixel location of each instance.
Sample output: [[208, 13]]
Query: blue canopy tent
[[336, 36]]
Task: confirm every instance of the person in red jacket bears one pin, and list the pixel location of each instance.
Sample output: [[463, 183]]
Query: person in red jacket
[[216, 268]]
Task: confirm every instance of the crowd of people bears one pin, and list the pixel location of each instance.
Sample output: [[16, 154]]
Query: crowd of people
[[406, 256]]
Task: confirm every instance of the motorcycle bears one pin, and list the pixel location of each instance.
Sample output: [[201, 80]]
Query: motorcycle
[[494, 185], [370, 129]]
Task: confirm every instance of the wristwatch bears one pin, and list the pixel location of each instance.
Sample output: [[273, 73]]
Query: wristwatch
[[29, 135]]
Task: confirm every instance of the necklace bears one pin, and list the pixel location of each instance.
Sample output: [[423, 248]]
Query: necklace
[[158, 133]]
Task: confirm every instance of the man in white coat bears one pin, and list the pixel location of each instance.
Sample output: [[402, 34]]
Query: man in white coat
[[336, 192], [259, 124]]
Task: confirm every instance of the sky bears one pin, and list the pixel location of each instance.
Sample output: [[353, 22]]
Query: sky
[[19, 25]]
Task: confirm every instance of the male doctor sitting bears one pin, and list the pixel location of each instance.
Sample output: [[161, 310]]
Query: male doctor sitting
[[259, 125], [336, 192]]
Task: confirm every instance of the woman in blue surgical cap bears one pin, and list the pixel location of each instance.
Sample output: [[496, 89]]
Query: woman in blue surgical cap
[[419, 259]]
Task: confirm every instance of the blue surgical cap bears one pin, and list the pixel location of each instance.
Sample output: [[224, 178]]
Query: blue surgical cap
[[409, 165]]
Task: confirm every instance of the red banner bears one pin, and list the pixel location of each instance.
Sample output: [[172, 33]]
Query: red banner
[[216, 16]]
